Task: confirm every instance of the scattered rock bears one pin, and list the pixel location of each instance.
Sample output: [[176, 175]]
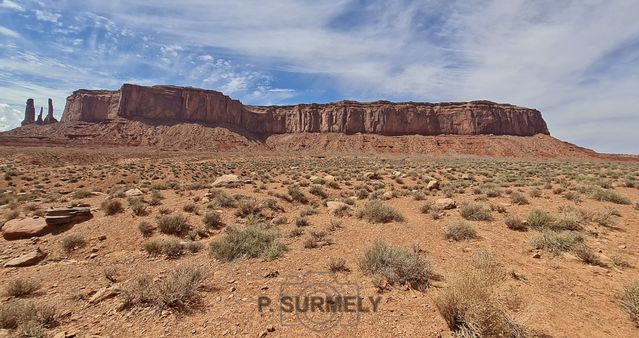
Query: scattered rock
[[272, 274], [537, 255], [225, 180], [335, 207], [329, 178], [29, 259], [133, 192], [105, 293], [372, 175], [270, 328], [445, 204], [64, 216], [24, 228], [433, 185]]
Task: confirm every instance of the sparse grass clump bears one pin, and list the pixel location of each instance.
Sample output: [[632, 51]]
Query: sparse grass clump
[[297, 195], [475, 212], [610, 196], [169, 246], [26, 318], [73, 242], [172, 224], [253, 242], [178, 291], [470, 304], [540, 219], [247, 207], [396, 266], [460, 231], [213, 220], [515, 223], [338, 265], [112, 206], [630, 301], [317, 190], [557, 242], [21, 287], [378, 212], [145, 228], [518, 198]]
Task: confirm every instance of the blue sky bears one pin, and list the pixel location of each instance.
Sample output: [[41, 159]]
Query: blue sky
[[576, 61]]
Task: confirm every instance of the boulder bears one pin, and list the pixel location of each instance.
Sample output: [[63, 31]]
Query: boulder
[[24, 228], [225, 180], [63, 216], [433, 185], [133, 192], [335, 207], [329, 178], [105, 293], [445, 204], [32, 258]]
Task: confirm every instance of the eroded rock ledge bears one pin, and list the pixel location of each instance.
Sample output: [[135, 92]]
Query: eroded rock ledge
[[170, 103]]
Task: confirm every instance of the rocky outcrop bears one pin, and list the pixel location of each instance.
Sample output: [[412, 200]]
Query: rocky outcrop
[[50, 118], [29, 113], [39, 121], [185, 104]]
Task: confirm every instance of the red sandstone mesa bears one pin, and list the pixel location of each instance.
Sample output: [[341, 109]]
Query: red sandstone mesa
[[185, 104]]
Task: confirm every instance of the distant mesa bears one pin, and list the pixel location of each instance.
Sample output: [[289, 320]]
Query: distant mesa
[[29, 114], [192, 105]]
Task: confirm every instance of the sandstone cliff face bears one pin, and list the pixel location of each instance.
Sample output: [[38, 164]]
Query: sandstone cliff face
[[381, 117]]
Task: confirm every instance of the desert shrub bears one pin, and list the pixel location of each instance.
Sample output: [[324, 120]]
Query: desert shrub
[[21, 287], [540, 219], [170, 246], [112, 206], [190, 207], [475, 212], [178, 291], [518, 198], [11, 214], [72, 242], [587, 255], [515, 223], [396, 266], [247, 207], [378, 212], [213, 220], [334, 224], [630, 301], [470, 304], [557, 242], [29, 319], [569, 220], [80, 194], [610, 196], [172, 224], [145, 228], [337, 265], [536, 193], [297, 232], [193, 246], [317, 190], [137, 206], [223, 199], [297, 195], [316, 239], [460, 231], [302, 222], [252, 242]]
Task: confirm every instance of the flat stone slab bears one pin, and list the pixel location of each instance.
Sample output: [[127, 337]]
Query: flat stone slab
[[62, 216], [24, 228], [32, 258]]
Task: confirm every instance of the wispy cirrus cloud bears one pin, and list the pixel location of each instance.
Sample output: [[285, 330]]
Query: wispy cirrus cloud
[[576, 61]]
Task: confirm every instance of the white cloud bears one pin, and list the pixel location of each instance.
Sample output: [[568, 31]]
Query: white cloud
[[8, 32], [47, 16], [9, 117], [11, 5]]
